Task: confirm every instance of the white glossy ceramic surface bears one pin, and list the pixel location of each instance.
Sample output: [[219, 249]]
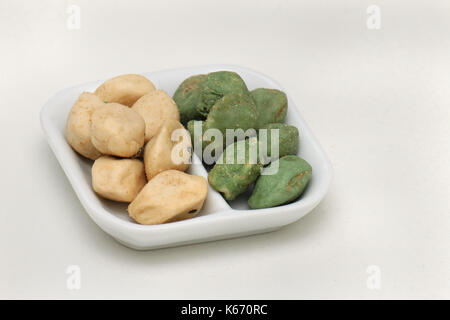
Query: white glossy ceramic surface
[[218, 219]]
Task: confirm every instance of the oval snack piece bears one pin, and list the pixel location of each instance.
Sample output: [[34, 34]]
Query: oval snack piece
[[169, 149], [125, 89], [155, 108], [188, 98], [118, 179], [78, 125], [233, 174], [170, 196], [282, 187], [233, 111], [117, 130], [288, 139], [271, 105], [218, 84]]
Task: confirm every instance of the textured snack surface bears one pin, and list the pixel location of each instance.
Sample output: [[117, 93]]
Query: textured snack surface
[[288, 139], [282, 187], [170, 196], [117, 130], [218, 84], [118, 179], [164, 153], [78, 125], [271, 105], [188, 98], [233, 111], [196, 139], [155, 108], [124, 89], [231, 176]]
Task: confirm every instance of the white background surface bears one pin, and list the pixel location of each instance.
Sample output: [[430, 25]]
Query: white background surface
[[377, 100]]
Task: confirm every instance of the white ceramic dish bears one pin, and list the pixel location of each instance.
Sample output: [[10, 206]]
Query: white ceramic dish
[[218, 219]]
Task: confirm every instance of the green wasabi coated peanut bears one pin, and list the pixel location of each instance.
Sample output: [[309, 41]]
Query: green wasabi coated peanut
[[199, 137], [200, 142], [233, 111], [218, 84], [232, 179], [282, 187], [188, 98], [288, 139], [271, 105]]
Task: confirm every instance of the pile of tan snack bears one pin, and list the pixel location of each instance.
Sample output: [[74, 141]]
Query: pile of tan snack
[[127, 119]]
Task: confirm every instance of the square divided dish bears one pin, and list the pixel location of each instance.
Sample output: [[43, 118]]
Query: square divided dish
[[218, 218]]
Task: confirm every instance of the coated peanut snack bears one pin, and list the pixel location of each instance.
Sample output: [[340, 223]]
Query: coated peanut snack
[[197, 94], [170, 196], [271, 105], [196, 139], [155, 108], [169, 149], [232, 178], [117, 130], [232, 111], [118, 179], [217, 85], [287, 142], [78, 126], [124, 89], [188, 98], [282, 187]]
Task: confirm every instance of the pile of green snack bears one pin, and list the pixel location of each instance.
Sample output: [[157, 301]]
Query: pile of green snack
[[221, 100]]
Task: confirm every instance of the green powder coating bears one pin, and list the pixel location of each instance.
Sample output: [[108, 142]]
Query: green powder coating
[[283, 187], [190, 128], [188, 98], [233, 111], [221, 99], [232, 179], [218, 84], [288, 139], [271, 105]]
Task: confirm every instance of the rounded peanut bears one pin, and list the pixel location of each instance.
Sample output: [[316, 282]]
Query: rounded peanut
[[155, 108], [124, 89], [118, 179], [117, 130], [170, 196], [169, 149], [78, 126]]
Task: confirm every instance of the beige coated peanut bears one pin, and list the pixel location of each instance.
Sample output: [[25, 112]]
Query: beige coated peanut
[[155, 108], [117, 130], [169, 149], [118, 179], [124, 89], [78, 125], [170, 196]]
